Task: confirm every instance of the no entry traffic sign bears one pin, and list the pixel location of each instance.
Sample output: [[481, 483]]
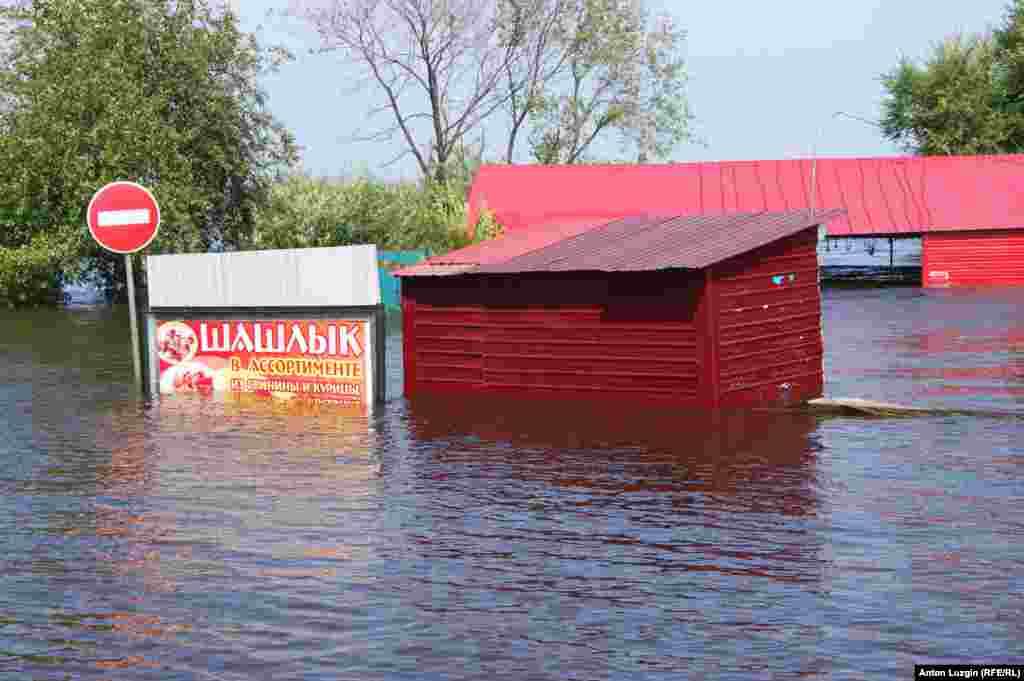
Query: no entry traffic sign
[[123, 217]]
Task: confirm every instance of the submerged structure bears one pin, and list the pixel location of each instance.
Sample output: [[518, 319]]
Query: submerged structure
[[968, 211], [711, 310], [303, 326]]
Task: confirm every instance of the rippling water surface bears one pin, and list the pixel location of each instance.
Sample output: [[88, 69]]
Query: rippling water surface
[[447, 539]]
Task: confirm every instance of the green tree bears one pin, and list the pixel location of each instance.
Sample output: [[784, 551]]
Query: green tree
[[948, 105], [597, 68], [967, 97], [304, 211], [160, 92], [1009, 75]]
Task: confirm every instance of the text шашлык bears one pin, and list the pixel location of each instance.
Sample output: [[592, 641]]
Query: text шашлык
[[340, 340]]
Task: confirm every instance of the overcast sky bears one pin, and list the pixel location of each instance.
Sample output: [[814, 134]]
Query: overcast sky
[[765, 78]]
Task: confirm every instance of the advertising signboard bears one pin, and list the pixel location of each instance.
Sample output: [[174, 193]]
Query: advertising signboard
[[312, 360]]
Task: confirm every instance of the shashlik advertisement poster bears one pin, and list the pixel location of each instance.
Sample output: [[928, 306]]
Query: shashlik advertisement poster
[[314, 361]]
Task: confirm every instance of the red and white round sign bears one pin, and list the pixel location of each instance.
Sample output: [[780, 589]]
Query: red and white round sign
[[123, 217]]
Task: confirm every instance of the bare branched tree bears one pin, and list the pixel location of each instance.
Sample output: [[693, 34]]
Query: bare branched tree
[[438, 64], [561, 73]]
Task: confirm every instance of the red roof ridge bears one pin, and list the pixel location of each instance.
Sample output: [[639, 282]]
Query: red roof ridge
[[883, 195]]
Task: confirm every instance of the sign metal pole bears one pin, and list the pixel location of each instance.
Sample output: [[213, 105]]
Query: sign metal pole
[[136, 359]]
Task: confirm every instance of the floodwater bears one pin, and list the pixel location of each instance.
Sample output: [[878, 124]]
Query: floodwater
[[440, 539]]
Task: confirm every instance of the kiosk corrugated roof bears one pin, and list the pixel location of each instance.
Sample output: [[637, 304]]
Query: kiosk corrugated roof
[[510, 245], [637, 243]]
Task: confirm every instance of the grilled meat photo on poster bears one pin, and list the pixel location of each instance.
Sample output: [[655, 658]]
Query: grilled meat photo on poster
[[320, 360]]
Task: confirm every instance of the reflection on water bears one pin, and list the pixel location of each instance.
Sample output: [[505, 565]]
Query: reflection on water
[[739, 457], [956, 348], [463, 538]]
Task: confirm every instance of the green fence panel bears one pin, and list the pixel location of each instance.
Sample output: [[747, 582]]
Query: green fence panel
[[390, 286]]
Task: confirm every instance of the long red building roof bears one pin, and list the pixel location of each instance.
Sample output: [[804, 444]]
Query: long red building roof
[[880, 196]]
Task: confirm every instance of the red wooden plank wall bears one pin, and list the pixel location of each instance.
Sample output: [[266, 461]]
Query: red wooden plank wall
[[982, 258], [768, 311], [621, 335]]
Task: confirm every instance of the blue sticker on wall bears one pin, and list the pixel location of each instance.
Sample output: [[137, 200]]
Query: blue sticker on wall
[[778, 279]]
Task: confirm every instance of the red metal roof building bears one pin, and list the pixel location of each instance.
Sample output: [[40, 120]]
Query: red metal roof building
[[702, 310], [969, 210]]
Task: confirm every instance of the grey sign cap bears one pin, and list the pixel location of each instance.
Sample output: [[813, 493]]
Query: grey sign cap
[[344, 276]]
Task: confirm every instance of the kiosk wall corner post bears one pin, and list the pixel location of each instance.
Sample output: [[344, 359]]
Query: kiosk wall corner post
[[152, 359], [380, 343]]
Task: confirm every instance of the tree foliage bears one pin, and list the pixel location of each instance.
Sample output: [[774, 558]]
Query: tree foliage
[[967, 97], [605, 68], [1009, 76], [30, 274], [156, 91], [304, 211]]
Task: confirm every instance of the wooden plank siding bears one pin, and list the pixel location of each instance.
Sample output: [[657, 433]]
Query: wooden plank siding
[[768, 316], [603, 334]]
